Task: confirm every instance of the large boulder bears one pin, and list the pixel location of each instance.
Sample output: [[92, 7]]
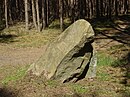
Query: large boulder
[[68, 57]]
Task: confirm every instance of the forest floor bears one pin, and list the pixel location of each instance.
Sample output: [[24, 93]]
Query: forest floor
[[19, 49]]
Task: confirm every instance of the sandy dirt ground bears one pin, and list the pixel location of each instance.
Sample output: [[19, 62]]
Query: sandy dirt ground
[[19, 56]]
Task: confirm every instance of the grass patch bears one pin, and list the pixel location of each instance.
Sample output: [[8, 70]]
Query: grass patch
[[79, 89], [17, 36], [104, 59], [120, 62], [35, 39], [104, 63], [18, 75], [52, 83], [103, 76], [121, 47], [56, 24]]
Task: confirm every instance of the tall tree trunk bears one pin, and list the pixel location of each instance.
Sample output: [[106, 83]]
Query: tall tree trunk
[[72, 10], [97, 9], [43, 15], [38, 17], [66, 6], [77, 9], [101, 7], [61, 14], [109, 10], [92, 8], [47, 12], [125, 7], [56, 9], [21, 7], [34, 14], [82, 8], [26, 15], [10, 12], [1, 13], [17, 8], [116, 7], [6, 14], [88, 9]]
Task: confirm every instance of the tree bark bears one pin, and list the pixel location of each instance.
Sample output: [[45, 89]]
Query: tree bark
[[17, 9], [97, 9], [26, 15], [10, 13], [61, 14], [125, 7], [38, 17], [34, 14], [6, 14], [109, 10], [101, 7], [92, 8], [72, 11], [47, 15], [43, 15], [1, 13], [116, 7]]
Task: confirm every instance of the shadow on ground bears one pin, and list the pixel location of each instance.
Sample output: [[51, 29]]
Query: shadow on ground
[[124, 64], [120, 32], [2, 25], [7, 38], [120, 29], [7, 92]]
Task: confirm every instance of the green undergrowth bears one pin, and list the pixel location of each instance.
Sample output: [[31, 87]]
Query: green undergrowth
[[104, 59], [18, 36], [52, 83], [15, 76], [78, 88]]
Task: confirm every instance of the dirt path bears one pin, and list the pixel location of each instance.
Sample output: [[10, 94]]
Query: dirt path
[[19, 56]]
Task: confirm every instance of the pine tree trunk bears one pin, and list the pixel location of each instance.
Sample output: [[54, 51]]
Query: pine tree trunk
[[116, 7], [101, 7], [17, 9], [26, 15], [6, 14], [72, 11], [97, 9], [125, 7], [10, 14], [61, 14], [0, 16], [34, 14], [47, 12], [92, 9], [43, 15], [38, 18], [0, 13], [109, 10]]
